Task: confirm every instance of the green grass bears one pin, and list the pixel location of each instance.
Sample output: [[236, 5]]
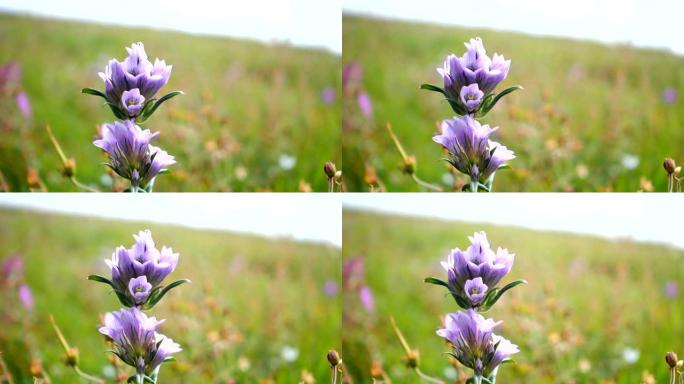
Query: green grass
[[245, 105], [584, 107], [250, 297], [587, 300]]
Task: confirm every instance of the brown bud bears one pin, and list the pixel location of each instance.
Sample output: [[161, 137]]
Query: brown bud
[[330, 169], [376, 370], [36, 368], [409, 167], [669, 165], [72, 357], [333, 358], [370, 177], [32, 178], [412, 359], [671, 359], [69, 168]]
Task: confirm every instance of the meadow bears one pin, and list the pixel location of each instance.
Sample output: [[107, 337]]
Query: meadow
[[594, 311], [254, 117], [592, 117], [258, 310]]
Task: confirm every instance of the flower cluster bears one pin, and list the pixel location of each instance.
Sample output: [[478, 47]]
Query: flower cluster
[[130, 89], [137, 274], [469, 84], [472, 279]]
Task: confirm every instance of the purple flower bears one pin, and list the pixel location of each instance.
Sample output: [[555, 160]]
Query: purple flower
[[136, 71], [671, 289], [474, 343], [351, 73], [330, 288], [12, 269], [475, 290], [328, 95], [366, 297], [24, 104], [132, 101], [139, 289], [471, 97], [365, 104], [130, 153], [10, 74], [669, 95], [479, 265], [136, 341], [474, 67], [139, 270], [470, 150], [26, 297]]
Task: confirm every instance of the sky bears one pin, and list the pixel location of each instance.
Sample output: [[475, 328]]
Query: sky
[[643, 217], [310, 23], [311, 217], [644, 23]]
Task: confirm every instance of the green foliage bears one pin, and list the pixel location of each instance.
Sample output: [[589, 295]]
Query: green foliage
[[587, 301], [245, 105], [250, 298], [585, 107]]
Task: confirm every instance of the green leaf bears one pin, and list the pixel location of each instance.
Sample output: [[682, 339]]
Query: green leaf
[[496, 99], [125, 300], [504, 166], [117, 111], [433, 88], [436, 281], [158, 295], [457, 107], [150, 111], [101, 279], [94, 92], [503, 290]]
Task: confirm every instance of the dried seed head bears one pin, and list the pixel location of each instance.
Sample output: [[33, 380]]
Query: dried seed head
[[669, 165], [69, 168], [412, 359], [671, 359], [333, 358], [409, 167], [330, 169], [72, 357], [36, 368]]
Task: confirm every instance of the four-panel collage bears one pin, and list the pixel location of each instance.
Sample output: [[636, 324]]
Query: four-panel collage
[[341, 191]]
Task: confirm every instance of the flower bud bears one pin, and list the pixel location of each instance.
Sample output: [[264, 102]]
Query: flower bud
[[671, 359], [669, 165], [69, 168], [330, 169], [72, 357], [338, 175], [333, 358], [36, 368], [412, 359], [409, 167]]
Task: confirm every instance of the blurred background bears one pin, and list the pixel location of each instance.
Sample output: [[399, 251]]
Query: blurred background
[[601, 108], [261, 108], [603, 303], [264, 304]]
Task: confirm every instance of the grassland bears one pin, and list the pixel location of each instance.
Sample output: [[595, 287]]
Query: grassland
[[252, 301], [591, 304], [588, 113], [247, 105]]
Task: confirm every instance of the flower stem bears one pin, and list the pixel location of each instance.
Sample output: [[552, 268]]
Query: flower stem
[[426, 184], [64, 160], [427, 378], [334, 375], [68, 349]]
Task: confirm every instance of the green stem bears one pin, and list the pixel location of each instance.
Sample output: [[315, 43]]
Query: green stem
[[81, 185], [427, 378], [334, 375], [426, 184], [474, 185], [87, 376]]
